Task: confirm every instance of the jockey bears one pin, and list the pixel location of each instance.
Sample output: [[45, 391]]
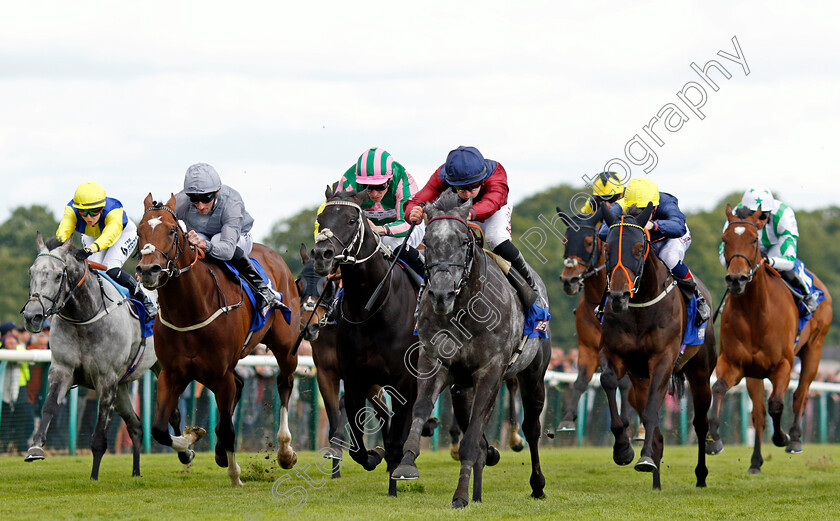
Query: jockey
[[219, 224], [669, 234], [778, 241], [607, 187], [389, 186], [485, 182], [108, 235]]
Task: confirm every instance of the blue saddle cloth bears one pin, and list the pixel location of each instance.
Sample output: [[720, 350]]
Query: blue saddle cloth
[[258, 320], [146, 322], [804, 316], [536, 321], [693, 335]]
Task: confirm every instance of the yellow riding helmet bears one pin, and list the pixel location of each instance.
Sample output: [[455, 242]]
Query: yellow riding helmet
[[607, 184], [641, 191], [89, 195]]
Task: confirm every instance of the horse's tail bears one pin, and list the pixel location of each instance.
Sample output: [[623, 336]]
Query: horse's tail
[[677, 385]]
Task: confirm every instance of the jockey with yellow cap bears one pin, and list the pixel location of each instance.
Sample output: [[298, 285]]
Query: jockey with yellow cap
[[669, 234], [779, 235], [108, 235], [607, 188]]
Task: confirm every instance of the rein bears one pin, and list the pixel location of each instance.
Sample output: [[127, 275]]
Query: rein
[[754, 263], [634, 280], [171, 270], [446, 266]]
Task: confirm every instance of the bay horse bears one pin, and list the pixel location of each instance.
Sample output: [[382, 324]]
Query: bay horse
[[583, 272], [470, 323], [644, 339], [95, 342], [202, 332], [759, 337], [373, 346]]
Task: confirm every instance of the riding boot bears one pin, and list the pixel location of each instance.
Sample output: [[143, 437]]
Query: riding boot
[[413, 258], [525, 286], [127, 281], [688, 287], [809, 296], [268, 299]]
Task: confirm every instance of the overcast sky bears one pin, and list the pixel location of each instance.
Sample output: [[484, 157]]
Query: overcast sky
[[282, 97]]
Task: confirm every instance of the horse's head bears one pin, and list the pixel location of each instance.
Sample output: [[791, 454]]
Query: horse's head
[[449, 250], [741, 248], [581, 254], [627, 249], [311, 286], [161, 240], [343, 231], [52, 279]]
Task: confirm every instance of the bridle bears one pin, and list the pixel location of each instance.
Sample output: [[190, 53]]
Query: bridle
[[171, 269], [634, 280], [346, 257], [590, 267], [469, 256], [65, 278], [753, 263]]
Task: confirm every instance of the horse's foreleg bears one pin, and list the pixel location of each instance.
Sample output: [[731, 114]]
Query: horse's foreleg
[[99, 440], [810, 365], [168, 392], [226, 392], [533, 401], [125, 408], [286, 455], [660, 369], [701, 394], [59, 381], [571, 398], [755, 388], [486, 390], [397, 434], [515, 441], [780, 378], [428, 390], [328, 386], [357, 414], [623, 452], [454, 430], [727, 376]]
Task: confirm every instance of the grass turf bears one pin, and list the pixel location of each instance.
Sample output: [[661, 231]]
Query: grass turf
[[581, 483]]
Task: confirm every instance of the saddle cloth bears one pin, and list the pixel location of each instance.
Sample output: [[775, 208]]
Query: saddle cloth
[[137, 309], [258, 320]]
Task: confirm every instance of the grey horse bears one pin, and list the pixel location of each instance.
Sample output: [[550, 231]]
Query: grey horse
[[470, 323], [94, 340]]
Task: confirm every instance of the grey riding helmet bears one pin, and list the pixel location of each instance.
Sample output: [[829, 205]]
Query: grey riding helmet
[[201, 178]]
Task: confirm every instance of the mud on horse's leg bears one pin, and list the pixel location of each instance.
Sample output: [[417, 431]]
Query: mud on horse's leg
[[168, 392]]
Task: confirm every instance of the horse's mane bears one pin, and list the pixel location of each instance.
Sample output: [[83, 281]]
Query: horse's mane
[[742, 212], [54, 242], [448, 201]]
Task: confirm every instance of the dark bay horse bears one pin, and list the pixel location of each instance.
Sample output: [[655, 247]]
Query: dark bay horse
[[94, 340], [644, 339], [202, 332], [583, 269], [759, 339], [373, 346], [470, 323]]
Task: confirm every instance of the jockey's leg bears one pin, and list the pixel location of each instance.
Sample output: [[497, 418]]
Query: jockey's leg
[[268, 298], [672, 254], [799, 281], [511, 253], [127, 281]]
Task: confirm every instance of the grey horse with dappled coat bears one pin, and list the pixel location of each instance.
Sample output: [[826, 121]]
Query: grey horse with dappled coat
[[470, 323], [95, 342]]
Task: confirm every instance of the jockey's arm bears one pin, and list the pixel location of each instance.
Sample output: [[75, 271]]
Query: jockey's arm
[[434, 187], [669, 219], [782, 255], [405, 188], [67, 225], [495, 196], [223, 245], [112, 230]]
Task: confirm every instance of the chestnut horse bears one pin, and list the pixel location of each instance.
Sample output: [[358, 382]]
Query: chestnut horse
[[759, 338], [202, 332], [583, 268], [644, 339]]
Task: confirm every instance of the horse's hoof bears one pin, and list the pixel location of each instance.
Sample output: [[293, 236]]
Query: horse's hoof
[[405, 472], [34, 454], [287, 461], [714, 447], [781, 440], [333, 454], [624, 457], [518, 446], [196, 432], [453, 451], [645, 464], [429, 427], [794, 447], [459, 503], [640, 434], [221, 457], [186, 457], [566, 426], [493, 456], [754, 471]]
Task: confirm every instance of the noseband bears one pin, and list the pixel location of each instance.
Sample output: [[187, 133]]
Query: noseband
[[634, 280], [346, 257], [171, 270], [753, 263], [436, 267]]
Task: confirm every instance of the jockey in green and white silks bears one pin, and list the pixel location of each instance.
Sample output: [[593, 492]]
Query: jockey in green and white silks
[[778, 237]]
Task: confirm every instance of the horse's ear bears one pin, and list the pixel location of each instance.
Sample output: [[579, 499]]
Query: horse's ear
[[147, 202], [65, 247], [729, 216], [360, 197], [303, 255], [568, 221], [39, 241], [644, 217], [171, 202], [431, 211], [329, 193], [609, 217], [463, 210]]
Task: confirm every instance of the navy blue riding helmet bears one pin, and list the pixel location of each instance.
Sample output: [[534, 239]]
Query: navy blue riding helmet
[[465, 166]]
